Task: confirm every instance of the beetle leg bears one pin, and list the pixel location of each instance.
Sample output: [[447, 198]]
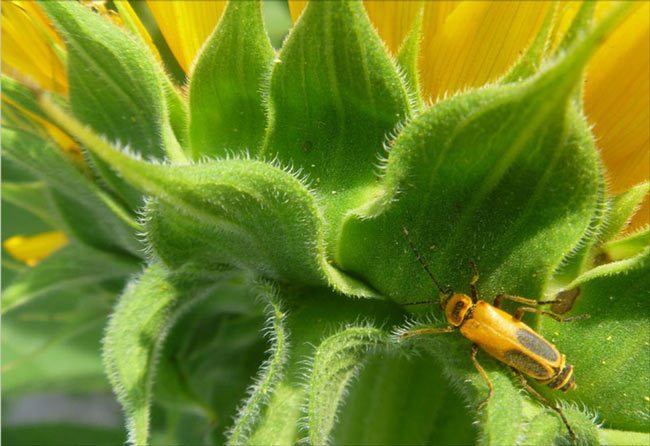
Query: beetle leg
[[546, 402], [520, 300], [422, 331], [521, 310], [472, 283], [484, 375]]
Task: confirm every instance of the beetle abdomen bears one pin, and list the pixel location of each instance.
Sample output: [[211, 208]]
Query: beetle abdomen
[[564, 380]]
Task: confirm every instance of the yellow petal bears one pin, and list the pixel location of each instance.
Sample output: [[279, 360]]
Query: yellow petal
[[33, 249], [186, 25], [436, 13], [296, 7], [617, 101], [393, 20], [477, 43], [29, 46]]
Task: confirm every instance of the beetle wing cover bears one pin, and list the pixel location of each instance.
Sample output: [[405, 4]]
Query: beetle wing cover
[[511, 341]]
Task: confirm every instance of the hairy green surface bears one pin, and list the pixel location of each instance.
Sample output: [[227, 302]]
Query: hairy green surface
[[135, 334], [334, 97], [336, 361], [275, 277], [116, 87], [615, 341], [226, 90], [622, 207]]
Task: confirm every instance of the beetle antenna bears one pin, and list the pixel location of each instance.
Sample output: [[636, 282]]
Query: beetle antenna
[[421, 260]]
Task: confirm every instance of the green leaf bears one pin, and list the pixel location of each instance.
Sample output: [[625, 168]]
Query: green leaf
[[624, 438], [579, 27], [270, 371], [622, 208], [505, 175], [403, 400], [115, 86], [226, 98], [69, 268], [243, 213], [179, 118], [313, 315], [336, 361], [610, 351], [207, 361], [114, 82], [176, 102], [33, 197], [546, 428], [408, 59], [582, 256], [89, 213], [502, 420], [135, 335], [238, 212], [626, 247], [335, 97]]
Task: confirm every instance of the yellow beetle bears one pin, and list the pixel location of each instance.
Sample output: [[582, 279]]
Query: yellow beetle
[[503, 336]]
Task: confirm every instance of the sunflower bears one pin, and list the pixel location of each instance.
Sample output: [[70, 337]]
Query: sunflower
[[184, 163], [463, 45]]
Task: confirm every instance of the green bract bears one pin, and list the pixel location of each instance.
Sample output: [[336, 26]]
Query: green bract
[[255, 228]]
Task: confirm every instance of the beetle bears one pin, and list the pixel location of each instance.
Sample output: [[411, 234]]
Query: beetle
[[503, 336]]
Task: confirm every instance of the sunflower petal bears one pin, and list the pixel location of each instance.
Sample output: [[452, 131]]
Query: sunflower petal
[[33, 249], [186, 25], [477, 43], [296, 7], [617, 100], [29, 46], [393, 20]]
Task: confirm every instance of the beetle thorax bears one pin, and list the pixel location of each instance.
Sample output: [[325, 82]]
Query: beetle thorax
[[456, 308]]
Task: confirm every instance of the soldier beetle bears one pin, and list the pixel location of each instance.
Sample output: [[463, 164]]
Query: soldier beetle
[[503, 336]]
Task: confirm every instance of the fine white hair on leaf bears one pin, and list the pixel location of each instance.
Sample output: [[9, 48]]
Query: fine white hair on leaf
[[264, 90], [411, 91], [324, 369], [271, 371], [143, 218]]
